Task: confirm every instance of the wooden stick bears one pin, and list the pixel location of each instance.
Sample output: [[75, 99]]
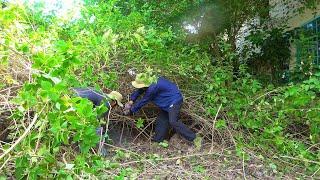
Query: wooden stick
[[213, 124], [304, 160], [5, 162], [143, 131], [107, 128]]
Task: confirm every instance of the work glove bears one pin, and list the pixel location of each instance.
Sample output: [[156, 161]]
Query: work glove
[[127, 108], [128, 105], [127, 112]]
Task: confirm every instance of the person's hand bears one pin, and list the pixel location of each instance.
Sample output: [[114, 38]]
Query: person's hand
[[127, 112], [127, 108], [128, 105]]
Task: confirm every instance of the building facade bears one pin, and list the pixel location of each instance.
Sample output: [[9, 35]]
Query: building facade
[[305, 23]]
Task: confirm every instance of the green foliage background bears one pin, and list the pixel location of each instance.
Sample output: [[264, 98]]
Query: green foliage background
[[134, 34]]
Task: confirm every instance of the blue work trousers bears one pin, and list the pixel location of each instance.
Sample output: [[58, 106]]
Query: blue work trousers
[[169, 119]]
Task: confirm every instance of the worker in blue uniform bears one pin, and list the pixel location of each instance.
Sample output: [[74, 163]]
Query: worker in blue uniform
[[111, 100], [167, 96]]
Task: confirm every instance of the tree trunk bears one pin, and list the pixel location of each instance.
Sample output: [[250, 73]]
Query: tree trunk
[[235, 61]]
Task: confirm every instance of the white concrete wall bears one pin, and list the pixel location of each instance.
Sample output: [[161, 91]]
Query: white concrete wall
[[285, 12]]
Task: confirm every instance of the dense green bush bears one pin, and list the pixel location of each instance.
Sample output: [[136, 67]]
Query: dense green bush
[[271, 64], [81, 53], [96, 50]]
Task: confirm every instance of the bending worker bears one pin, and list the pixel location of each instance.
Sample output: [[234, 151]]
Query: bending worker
[[112, 99], [167, 97]]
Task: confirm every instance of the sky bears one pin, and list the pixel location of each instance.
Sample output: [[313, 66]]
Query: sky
[[70, 10], [62, 8]]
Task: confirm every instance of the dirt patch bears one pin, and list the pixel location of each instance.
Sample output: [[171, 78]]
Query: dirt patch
[[4, 123], [180, 160]]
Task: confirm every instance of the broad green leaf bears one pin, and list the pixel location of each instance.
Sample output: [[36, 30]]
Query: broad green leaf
[[46, 85], [139, 123]]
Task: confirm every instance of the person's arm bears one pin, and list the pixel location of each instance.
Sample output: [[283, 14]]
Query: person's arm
[[134, 96], [150, 93]]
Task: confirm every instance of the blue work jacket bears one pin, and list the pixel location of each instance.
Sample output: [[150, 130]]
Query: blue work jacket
[[163, 94], [94, 96]]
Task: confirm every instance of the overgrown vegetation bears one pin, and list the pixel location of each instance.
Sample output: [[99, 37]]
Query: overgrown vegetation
[[42, 57]]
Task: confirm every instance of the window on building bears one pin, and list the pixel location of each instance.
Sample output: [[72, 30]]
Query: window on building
[[308, 48]]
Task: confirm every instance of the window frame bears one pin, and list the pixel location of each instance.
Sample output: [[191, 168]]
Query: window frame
[[316, 32]]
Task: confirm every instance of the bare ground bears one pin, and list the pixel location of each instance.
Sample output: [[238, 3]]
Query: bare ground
[[180, 160]]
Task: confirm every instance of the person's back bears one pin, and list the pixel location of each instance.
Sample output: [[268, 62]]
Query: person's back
[[94, 96], [167, 93]]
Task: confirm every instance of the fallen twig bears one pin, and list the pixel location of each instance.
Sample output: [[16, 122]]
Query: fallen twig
[[143, 131], [23, 135], [5, 162], [213, 124]]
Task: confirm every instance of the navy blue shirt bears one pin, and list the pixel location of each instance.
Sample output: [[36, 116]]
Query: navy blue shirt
[[163, 94], [94, 96]]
